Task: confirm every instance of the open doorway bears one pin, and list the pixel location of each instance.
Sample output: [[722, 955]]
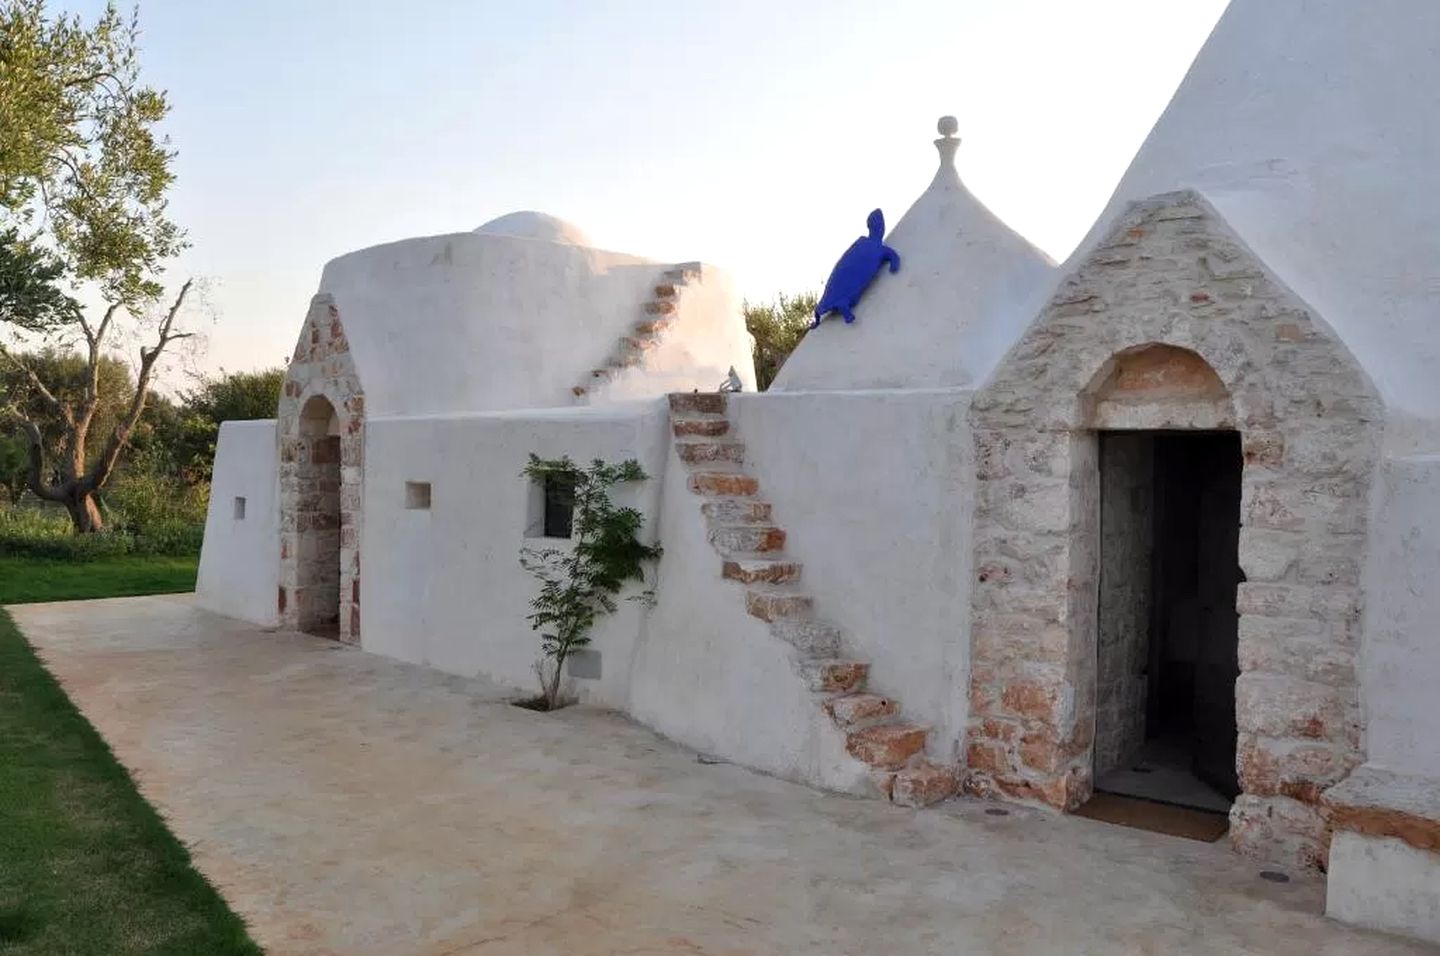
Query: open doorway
[[317, 520], [1168, 629]]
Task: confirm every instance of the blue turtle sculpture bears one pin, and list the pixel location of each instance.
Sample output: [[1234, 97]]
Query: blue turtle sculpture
[[855, 271]]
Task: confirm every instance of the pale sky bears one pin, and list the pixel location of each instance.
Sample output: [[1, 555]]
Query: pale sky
[[753, 134]]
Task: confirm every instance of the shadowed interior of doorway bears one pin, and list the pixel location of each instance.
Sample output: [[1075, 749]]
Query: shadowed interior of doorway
[[1165, 693]]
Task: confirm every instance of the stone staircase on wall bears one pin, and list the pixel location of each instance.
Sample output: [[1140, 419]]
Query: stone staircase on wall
[[660, 313], [751, 549]]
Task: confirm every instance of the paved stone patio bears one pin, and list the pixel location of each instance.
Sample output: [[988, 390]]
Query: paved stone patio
[[345, 803]]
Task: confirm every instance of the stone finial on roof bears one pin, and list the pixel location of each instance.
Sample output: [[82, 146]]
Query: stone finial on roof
[[948, 142]]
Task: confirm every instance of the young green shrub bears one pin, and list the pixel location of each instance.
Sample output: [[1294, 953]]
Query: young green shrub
[[579, 583]]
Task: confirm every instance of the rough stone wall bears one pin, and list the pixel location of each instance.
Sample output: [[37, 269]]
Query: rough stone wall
[[1126, 506], [1172, 272], [321, 366]]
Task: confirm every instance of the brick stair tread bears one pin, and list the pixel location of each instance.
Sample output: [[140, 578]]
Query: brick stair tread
[[923, 782], [736, 510], [729, 469], [708, 440], [860, 708], [758, 557], [813, 639], [834, 675], [887, 746]]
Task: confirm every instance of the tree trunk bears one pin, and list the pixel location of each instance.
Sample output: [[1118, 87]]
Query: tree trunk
[[552, 692], [85, 514]]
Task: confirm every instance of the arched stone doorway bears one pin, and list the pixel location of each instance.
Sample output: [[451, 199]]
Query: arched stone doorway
[[317, 519], [1173, 325], [322, 424]]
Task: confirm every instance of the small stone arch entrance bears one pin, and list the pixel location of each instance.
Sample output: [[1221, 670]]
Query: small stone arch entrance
[[321, 472], [1171, 324]]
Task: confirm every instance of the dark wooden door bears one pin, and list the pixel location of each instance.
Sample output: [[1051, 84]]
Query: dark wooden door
[[1217, 663]]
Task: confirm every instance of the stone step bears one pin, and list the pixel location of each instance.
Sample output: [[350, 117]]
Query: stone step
[[834, 675], [856, 710], [694, 451], [760, 570], [708, 426], [579, 391], [633, 344], [923, 783], [737, 510], [708, 402], [814, 639], [735, 539], [713, 481], [886, 746], [777, 604], [684, 271], [660, 307], [665, 290], [651, 327]]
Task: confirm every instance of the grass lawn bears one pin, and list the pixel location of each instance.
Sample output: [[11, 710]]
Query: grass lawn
[[27, 580], [86, 865]]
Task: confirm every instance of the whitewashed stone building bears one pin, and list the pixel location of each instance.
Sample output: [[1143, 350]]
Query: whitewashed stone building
[[1024, 530]]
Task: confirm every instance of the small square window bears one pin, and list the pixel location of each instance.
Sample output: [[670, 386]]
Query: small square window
[[417, 495], [559, 491], [239, 508]]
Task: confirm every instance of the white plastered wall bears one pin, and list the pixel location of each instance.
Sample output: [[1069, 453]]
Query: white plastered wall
[[1400, 650], [239, 563], [471, 322], [443, 586], [711, 676], [697, 351], [874, 490], [1384, 883]]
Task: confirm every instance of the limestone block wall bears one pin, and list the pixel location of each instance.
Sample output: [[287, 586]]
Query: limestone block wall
[[1171, 271], [1126, 506], [239, 567], [321, 473]]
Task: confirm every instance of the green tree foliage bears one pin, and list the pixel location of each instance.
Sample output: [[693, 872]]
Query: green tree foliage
[[14, 466], [179, 438], [777, 327], [30, 296], [83, 183], [579, 583], [67, 374], [81, 166]]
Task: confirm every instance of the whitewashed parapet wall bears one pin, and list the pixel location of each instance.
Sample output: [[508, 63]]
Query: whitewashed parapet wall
[[239, 563], [444, 585]]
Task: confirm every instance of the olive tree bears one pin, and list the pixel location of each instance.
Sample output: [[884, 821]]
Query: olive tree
[[84, 176]]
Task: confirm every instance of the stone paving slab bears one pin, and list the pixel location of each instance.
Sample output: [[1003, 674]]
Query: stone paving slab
[[348, 804]]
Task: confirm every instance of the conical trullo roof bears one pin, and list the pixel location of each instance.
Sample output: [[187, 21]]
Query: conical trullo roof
[[966, 287], [1313, 127]]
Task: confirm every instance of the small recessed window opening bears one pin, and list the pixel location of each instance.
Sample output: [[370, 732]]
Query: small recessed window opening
[[559, 492], [239, 508], [417, 495]]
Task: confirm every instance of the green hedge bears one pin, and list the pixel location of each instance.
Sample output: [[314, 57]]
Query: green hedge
[[34, 532]]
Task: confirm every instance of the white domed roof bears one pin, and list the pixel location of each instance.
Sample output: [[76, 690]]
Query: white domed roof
[[529, 224]]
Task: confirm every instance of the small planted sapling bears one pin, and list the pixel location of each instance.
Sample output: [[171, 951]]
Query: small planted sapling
[[580, 582]]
